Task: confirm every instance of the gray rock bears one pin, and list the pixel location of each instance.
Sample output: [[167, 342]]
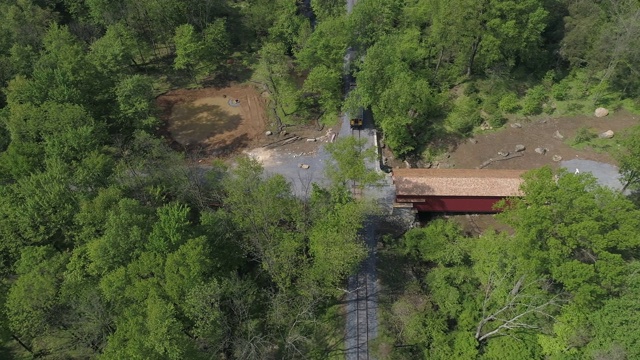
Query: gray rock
[[601, 112], [556, 158], [541, 151], [557, 135], [503, 153], [473, 141], [311, 140], [606, 135], [485, 126], [268, 133], [303, 166], [520, 148], [516, 125]]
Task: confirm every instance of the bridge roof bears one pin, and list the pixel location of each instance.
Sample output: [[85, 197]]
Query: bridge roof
[[458, 182]]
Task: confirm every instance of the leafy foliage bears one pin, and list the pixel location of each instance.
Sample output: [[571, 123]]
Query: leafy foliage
[[544, 290], [112, 246]]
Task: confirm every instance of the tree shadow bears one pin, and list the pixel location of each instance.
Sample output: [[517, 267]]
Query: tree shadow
[[634, 196], [195, 123], [225, 148], [234, 71], [392, 268]]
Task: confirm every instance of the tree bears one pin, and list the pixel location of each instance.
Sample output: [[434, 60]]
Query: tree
[[489, 32], [326, 45], [201, 54], [269, 215], [135, 96], [274, 71], [629, 159], [615, 325], [392, 81], [115, 50], [478, 294], [216, 43], [32, 299], [350, 162], [334, 241], [189, 48], [603, 37], [327, 9], [371, 20], [324, 86], [125, 233], [577, 232]]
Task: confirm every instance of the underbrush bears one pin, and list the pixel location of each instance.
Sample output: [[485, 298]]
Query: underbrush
[[586, 137]]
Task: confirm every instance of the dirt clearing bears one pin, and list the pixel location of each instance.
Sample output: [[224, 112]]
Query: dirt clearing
[[218, 122], [537, 133]]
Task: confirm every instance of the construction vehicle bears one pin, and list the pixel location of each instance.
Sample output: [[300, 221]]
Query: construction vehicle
[[356, 122]]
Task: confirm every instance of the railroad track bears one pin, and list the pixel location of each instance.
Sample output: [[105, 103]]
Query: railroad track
[[362, 316], [355, 190]]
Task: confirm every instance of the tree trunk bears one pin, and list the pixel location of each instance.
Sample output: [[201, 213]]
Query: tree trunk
[[435, 73], [28, 348], [474, 51]]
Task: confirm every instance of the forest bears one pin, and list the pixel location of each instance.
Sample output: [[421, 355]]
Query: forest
[[114, 246]]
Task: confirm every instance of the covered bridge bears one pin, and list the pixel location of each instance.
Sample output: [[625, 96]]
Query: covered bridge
[[455, 190]]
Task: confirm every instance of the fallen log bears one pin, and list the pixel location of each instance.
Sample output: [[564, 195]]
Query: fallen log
[[488, 162], [273, 144]]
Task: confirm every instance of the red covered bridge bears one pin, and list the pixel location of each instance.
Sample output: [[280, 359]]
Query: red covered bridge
[[456, 190]]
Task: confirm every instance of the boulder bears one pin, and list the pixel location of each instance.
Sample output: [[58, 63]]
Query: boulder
[[520, 148], [557, 135], [303, 166], [606, 135], [473, 141], [503, 153], [601, 112], [541, 151], [556, 158], [311, 140], [516, 125], [268, 133]]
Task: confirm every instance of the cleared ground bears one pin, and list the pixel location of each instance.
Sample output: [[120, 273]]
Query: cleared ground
[[536, 133], [209, 120]]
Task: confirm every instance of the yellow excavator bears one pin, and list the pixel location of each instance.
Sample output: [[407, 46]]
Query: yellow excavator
[[356, 121]]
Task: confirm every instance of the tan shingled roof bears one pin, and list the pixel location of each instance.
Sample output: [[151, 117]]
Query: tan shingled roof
[[457, 182]]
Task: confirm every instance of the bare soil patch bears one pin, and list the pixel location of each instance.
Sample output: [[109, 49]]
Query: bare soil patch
[[204, 120], [533, 134]]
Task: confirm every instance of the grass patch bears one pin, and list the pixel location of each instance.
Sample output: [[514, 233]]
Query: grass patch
[[587, 138], [583, 136], [631, 105], [574, 107]]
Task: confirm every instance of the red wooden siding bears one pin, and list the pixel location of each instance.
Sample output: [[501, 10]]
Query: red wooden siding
[[457, 204]]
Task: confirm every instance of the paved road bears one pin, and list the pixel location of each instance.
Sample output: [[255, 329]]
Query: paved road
[[606, 174]]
